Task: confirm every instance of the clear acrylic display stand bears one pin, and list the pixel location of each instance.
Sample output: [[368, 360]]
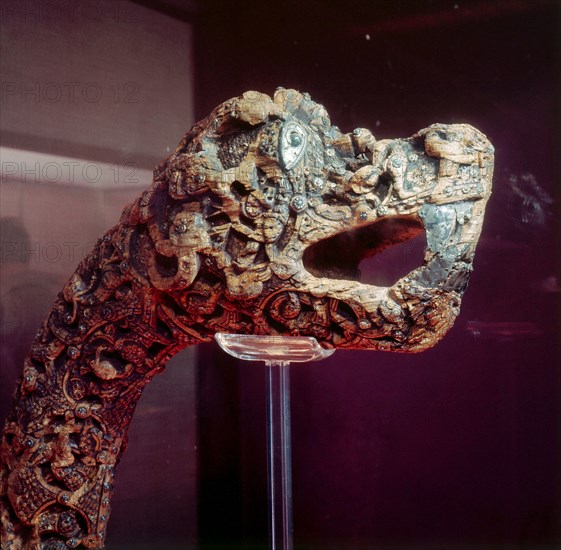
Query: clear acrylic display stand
[[277, 352]]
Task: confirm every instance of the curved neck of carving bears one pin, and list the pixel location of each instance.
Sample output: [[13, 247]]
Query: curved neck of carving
[[106, 337]]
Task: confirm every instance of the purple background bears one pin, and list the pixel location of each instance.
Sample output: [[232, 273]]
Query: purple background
[[455, 448], [458, 446]]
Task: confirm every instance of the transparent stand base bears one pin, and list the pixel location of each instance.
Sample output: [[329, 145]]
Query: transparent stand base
[[277, 352]]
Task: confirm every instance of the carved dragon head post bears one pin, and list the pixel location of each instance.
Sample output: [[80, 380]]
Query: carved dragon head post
[[256, 224]]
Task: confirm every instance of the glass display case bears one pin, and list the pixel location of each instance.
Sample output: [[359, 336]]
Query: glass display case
[[458, 446]]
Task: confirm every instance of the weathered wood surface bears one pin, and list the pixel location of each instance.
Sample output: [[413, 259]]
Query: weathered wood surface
[[256, 224]]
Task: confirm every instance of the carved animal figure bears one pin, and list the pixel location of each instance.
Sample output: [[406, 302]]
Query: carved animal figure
[[256, 224]]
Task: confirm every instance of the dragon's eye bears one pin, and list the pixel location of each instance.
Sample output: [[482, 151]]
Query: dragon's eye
[[292, 144]]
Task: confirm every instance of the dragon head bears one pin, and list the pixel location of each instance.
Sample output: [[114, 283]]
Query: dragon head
[[257, 223]]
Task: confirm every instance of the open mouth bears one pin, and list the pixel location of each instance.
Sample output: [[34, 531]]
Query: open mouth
[[367, 255]]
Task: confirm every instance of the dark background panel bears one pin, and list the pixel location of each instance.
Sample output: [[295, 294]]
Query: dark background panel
[[457, 447]]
